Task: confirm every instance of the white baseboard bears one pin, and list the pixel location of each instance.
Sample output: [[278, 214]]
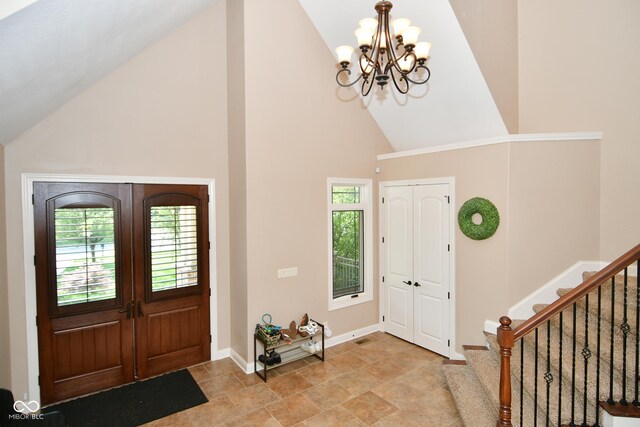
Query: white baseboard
[[491, 326], [569, 278], [222, 354], [457, 356], [248, 368], [339, 339], [547, 294]]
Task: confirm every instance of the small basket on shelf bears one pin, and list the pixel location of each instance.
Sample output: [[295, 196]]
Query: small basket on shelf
[[268, 333]]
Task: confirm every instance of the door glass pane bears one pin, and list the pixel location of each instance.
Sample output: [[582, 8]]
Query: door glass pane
[[85, 255], [174, 247], [347, 253]]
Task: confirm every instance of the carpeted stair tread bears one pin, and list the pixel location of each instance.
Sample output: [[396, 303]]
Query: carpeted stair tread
[[605, 349], [487, 368], [476, 384], [470, 396], [529, 384], [632, 289]]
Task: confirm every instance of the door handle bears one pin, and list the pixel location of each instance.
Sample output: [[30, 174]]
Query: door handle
[[408, 282], [127, 310], [417, 284], [140, 313]]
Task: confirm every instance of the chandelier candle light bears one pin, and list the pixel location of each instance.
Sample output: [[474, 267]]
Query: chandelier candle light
[[379, 59]]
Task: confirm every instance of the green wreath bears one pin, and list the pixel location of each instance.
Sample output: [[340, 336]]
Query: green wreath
[[489, 214]]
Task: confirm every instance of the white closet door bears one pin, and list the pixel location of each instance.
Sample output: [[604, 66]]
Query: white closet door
[[431, 267], [398, 255]]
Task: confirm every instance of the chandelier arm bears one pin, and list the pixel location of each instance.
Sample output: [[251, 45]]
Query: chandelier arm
[[365, 90], [348, 74], [392, 59], [368, 59], [420, 82], [395, 81]]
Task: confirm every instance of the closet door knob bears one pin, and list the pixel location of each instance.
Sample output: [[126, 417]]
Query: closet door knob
[[408, 282], [417, 284]]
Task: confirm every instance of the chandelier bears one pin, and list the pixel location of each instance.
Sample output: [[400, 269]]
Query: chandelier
[[379, 60]]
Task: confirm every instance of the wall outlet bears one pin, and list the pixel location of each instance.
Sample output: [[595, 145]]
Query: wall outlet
[[287, 272]]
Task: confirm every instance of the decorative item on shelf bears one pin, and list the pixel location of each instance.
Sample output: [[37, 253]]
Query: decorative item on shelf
[[379, 59], [268, 333], [489, 218]]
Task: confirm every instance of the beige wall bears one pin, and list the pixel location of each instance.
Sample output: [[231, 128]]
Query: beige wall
[[579, 72], [491, 29], [237, 177], [545, 193], [298, 134], [5, 361], [554, 196], [481, 266], [161, 114]]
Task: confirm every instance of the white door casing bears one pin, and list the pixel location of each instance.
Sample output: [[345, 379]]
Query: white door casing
[[417, 264]]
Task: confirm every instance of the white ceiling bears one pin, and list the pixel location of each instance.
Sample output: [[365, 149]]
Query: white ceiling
[[51, 50], [455, 105]]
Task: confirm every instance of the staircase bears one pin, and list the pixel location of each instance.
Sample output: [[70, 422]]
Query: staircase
[[566, 363]]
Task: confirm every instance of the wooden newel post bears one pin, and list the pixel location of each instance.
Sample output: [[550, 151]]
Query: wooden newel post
[[505, 340]]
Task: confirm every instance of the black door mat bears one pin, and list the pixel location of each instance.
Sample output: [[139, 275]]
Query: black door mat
[[134, 404]]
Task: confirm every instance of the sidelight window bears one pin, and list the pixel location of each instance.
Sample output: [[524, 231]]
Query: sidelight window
[[350, 242]]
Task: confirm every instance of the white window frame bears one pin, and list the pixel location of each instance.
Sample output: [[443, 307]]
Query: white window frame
[[366, 203]]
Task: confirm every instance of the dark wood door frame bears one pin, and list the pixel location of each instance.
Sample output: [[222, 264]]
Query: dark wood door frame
[[32, 371]]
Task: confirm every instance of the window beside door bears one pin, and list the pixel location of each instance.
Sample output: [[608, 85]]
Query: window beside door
[[350, 242]]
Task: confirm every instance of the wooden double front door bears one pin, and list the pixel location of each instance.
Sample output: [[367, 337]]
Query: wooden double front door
[[122, 278]]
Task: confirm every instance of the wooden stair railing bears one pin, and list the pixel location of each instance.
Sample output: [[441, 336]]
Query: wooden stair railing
[[508, 336]]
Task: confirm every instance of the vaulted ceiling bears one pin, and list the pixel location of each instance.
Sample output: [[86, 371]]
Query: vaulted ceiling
[[52, 50], [456, 104]]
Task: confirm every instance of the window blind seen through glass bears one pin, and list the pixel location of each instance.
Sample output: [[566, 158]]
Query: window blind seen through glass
[[174, 247], [85, 255]]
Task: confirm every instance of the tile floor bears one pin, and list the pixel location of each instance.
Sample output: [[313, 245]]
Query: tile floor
[[383, 381]]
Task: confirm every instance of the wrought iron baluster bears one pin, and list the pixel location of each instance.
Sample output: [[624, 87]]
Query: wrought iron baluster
[[637, 377], [521, 378], [535, 387], [598, 359], [625, 331], [560, 373], [548, 376], [573, 371], [586, 353], [610, 400]]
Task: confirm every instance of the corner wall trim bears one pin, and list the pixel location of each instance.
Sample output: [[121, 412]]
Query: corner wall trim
[[523, 137]]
